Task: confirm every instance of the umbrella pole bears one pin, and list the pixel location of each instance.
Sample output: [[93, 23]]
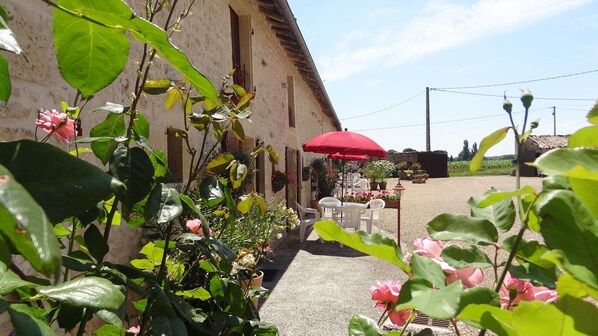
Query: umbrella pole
[[342, 189]]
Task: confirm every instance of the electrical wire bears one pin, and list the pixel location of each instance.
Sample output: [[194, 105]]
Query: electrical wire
[[514, 97], [449, 121], [384, 109], [513, 83]]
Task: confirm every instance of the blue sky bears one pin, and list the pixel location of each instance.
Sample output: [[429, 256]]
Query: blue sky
[[376, 58]]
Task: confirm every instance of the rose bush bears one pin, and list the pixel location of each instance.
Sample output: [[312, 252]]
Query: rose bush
[[540, 287]]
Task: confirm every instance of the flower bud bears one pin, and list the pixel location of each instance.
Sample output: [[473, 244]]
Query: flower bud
[[506, 105], [534, 124], [526, 98]]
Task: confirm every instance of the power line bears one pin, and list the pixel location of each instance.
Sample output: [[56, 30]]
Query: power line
[[513, 83], [514, 97], [449, 121], [384, 109]]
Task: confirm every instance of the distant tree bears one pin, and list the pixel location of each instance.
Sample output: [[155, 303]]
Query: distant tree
[[392, 152], [451, 158], [474, 150], [465, 154], [409, 150]]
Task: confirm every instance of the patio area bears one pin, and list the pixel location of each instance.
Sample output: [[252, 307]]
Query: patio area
[[316, 288]]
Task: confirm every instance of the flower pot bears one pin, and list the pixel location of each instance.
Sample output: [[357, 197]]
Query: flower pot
[[382, 185], [373, 185], [255, 282], [418, 180], [277, 185]]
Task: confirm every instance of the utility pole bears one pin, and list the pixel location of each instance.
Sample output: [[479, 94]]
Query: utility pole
[[554, 118], [428, 120]]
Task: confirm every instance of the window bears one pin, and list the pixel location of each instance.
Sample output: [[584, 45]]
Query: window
[[240, 26], [291, 100], [174, 145]]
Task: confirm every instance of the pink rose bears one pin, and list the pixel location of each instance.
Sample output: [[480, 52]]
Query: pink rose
[[194, 225], [134, 330], [514, 291], [57, 122], [386, 294], [428, 247]]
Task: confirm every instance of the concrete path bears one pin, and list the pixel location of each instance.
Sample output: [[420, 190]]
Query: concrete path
[[316, 288]]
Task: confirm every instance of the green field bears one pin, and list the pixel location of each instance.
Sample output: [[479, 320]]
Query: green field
[[489, 167]]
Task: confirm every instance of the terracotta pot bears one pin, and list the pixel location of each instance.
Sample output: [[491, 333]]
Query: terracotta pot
[[255, 282]]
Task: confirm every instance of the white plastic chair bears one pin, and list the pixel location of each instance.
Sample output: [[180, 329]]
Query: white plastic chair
[[351, 218], [373, 213], [307, 216], [362, 185], [328, 204]]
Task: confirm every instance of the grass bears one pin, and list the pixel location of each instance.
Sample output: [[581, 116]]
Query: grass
[[489, 167]]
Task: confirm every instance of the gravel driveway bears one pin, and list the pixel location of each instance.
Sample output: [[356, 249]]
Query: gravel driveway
[[317, 287]]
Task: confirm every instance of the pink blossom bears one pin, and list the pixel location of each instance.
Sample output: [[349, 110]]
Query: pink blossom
[[58, 122], [194, 225], [386, 294], [428, 247], [134, 330], [514, 291]]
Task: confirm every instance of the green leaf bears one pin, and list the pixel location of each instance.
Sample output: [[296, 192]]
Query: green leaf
[[568, 285], [487, 143], [159, 159], [143, 264], [427, 269], [489, 317], [137, 174], [440, 303], [462, 228], [245, 100], [496, 207], [173, 96], [567, 161], [239, 90], [196, 293], [90, 56], [238, 172], [141, 125], [238, 131], [584, 137], [23, 219], [220, 163], [272, 155], [374, 245], [533, 266], [163, 204], [572, 233], [5, 86], [244, 204], [140, 305], [593, 115], [164, 318], [110, 330], [479, 295], [112, 108], [10, 281], [25, 323], [8, 40], [189, 204], [63, 185], [153, 253], [90, 292], [361, 325], [97, 246], [570, 316], [113, 126], [462, 257], [157, 86]]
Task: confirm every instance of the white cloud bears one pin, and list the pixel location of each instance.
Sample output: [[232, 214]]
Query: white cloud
[[441, 25]]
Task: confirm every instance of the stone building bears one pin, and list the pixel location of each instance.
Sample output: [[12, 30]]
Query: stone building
[[536, 145], [259, 38]]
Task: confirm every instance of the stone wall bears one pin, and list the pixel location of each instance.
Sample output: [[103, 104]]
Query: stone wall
[[206, 38]]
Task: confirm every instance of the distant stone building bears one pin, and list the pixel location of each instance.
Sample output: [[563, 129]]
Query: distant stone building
[[536, 145]]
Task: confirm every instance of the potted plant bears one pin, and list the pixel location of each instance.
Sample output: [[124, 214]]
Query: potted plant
[[280, 180], [325, 178], [380, 170], [391, 200], [420, 177]]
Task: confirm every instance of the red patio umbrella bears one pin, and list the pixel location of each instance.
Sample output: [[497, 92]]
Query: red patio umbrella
[[350, 157], [344, 143]]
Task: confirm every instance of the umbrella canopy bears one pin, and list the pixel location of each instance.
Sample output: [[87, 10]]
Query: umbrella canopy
[[344, 143], [339, 156]]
